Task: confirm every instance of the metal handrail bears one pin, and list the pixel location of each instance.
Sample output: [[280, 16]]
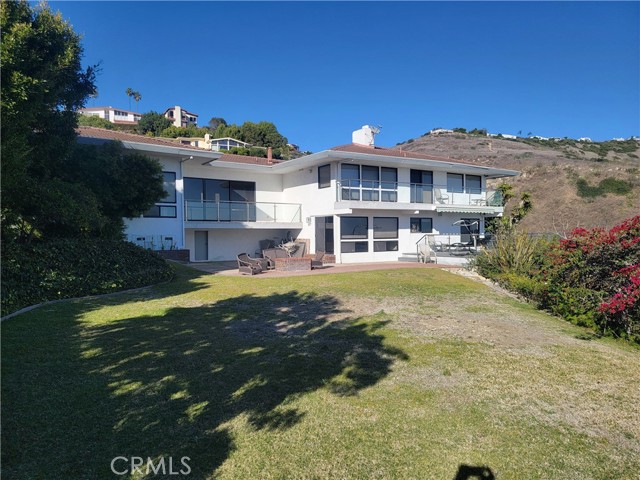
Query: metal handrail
[[387, 191]]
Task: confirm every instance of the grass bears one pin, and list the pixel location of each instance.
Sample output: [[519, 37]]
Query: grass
[[387, 374]]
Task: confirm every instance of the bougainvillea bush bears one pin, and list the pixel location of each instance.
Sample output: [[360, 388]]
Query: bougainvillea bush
[[593, 278]]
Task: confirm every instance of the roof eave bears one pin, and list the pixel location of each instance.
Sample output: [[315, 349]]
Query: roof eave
[[323, 156]]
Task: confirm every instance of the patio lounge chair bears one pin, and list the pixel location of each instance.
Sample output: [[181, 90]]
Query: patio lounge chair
[[316, 261], [248, 265]]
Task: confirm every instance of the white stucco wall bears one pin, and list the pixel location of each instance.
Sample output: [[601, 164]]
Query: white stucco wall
[[227, 243]]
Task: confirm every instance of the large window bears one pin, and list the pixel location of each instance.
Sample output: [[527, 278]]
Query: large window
[[324, 176], [204, 189], [421, 225], [383, 228], [369, 183], [354, 228], [220, 200]]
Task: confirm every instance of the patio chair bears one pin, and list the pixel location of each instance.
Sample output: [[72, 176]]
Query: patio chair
[[316, 261], [426, 253], [439, 196], [248, 265], [299, 252]]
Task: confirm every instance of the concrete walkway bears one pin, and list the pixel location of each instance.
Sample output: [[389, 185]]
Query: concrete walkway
[[231, 268]]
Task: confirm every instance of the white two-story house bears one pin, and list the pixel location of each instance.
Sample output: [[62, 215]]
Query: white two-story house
[[359, 202]]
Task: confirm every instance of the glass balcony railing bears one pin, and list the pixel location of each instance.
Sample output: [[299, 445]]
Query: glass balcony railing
[[212, 211], [381, 191]]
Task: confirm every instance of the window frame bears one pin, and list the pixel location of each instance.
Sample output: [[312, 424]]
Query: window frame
[[321, 170], [412, 221], [169, 194], [376, 233], [353, 236], [147, 214]]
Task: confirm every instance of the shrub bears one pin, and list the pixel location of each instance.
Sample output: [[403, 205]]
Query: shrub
[[528, 287], [591, 278], [514, 252], [594, 276], [606, 185], [66, 268]]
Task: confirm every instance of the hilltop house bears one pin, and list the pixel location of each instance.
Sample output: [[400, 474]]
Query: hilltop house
[[358, 201], [180, 117], [113, 115]]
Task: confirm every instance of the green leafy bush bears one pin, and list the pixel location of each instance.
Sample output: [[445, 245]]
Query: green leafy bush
[[531, 288], [513, 253], [606, 185], [66, 268]]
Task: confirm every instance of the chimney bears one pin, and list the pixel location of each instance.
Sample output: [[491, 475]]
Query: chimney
[[269, 155], [365, 135]]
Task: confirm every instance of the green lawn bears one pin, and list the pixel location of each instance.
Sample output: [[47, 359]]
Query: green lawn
[[390, 374]]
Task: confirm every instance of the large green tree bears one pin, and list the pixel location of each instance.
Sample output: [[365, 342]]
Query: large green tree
[[153, 123], [51, 186], [43, 84]]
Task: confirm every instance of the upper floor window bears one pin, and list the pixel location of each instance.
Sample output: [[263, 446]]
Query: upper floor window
[[455, 182], [169, 185], [474, 184], [213, 190], [324, 176], [369, 183], [165, 211], [421, 186]]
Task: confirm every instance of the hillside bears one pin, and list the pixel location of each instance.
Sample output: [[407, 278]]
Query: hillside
[[554, 172]]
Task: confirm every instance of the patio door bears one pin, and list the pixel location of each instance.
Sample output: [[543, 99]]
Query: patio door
[[324, 234], [201, 240]]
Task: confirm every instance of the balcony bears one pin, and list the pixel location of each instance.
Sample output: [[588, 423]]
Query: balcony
[[243, 212], [384, 194]]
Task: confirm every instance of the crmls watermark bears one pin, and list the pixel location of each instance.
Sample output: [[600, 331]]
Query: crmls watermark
[[162, 465]]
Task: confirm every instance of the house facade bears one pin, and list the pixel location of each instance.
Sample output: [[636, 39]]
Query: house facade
[[180, 117], [113, 115], [360, 202]]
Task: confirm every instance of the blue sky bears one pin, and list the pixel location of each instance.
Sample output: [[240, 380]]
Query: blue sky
[[320, 70]]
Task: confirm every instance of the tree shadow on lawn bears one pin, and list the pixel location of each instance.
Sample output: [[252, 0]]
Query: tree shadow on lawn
[[166, 385]]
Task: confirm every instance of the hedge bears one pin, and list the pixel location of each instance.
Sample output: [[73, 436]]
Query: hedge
[[67, 268]]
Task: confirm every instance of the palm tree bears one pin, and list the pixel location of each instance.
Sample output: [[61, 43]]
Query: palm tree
[[129, 93], [137, 97]]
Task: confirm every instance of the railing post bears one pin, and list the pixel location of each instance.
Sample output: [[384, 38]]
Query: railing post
[[218, 210], [275, 213]]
